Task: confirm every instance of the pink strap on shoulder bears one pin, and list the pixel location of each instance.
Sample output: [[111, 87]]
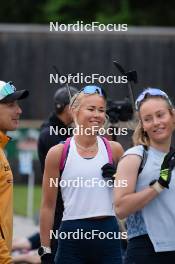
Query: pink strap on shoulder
[[108, 148], [64, 153]]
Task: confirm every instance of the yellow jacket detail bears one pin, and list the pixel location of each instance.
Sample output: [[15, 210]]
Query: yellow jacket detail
[[6, 204]]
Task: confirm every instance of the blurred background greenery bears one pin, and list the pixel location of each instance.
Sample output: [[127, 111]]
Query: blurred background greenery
[[20, 199], [131, 12]]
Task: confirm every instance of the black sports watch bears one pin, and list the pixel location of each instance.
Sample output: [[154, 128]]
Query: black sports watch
[[44, 250]]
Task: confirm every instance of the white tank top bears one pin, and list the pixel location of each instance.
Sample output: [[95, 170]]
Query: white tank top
[[84, 191]]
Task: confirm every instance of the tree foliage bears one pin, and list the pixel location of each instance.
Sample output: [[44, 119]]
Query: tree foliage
[[132, 12]]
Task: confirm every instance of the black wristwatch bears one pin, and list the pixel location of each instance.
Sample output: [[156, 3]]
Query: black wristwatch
[[44, 250]]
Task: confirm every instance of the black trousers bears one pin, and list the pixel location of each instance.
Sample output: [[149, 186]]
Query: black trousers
[[140, 250], [95, 250]]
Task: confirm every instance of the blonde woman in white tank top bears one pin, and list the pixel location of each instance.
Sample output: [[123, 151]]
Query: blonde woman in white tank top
[[87, 207]]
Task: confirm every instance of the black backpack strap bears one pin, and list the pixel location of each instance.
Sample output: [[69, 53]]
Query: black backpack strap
[[144, 159]]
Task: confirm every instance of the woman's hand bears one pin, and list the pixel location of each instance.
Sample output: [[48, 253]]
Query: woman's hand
[[166, 169], [108, 171]]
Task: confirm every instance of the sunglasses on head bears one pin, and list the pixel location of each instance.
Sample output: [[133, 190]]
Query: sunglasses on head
[[7, 89], [91, 89], [150, 92]]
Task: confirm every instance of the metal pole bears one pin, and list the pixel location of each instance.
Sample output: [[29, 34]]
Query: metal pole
[[30, 193]]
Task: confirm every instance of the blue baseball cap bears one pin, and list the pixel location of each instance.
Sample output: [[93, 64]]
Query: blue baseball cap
[[8, 93]]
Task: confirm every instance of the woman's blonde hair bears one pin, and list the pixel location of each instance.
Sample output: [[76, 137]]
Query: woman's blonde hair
[[140, 137], [75, 101]]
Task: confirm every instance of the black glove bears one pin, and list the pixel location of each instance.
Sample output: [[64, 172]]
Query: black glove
[[166, 169], [108, 171], [47, 259]]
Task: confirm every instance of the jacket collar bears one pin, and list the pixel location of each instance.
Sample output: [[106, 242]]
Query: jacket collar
[[54, 121]]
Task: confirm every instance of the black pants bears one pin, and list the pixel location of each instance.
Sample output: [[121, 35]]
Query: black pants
[[140, 250], [95, 250]]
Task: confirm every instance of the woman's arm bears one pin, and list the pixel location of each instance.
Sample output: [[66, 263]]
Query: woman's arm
[[49, 193], [127, 201], [117, 151]]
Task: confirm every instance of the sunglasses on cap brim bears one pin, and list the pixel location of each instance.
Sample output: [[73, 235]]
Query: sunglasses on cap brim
[[150, 92], [7, 89]]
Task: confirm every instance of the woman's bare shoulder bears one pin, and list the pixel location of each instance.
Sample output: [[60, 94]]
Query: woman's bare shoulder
[[117, 150], [54, 154]]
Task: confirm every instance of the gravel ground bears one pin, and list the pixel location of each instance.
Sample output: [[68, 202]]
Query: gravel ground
[[23, 226]]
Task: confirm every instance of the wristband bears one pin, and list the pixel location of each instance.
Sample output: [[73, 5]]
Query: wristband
[[156, 186]]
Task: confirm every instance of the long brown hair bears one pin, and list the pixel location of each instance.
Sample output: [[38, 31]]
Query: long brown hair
[[140, 137]]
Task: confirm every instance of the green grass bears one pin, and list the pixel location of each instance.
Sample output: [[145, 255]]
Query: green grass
[[20, 199]]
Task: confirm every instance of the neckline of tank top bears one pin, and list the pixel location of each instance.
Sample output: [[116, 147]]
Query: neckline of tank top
[[87, 157], [90, 148]]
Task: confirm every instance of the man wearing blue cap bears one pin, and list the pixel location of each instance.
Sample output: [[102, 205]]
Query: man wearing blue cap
[[9, 121]]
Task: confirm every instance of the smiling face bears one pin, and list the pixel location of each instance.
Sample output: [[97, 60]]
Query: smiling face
[[9, 116], [157, 120], [91, 111]]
